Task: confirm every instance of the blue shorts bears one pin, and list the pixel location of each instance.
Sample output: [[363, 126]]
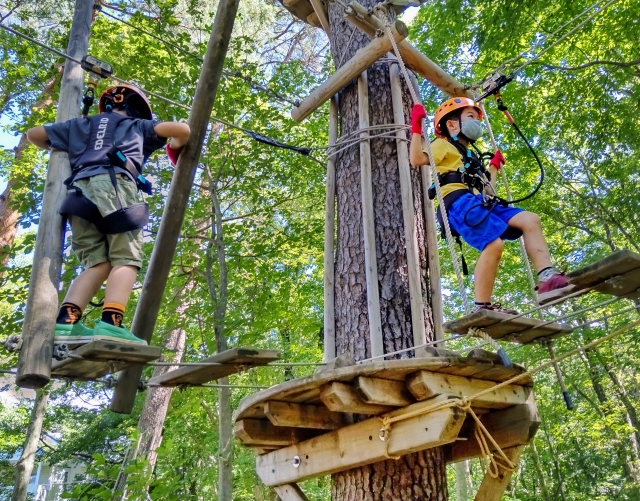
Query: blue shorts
[[493, 227]]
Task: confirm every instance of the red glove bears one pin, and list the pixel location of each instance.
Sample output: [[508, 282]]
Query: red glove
[[498, 160], [417, 115], [173, 154]]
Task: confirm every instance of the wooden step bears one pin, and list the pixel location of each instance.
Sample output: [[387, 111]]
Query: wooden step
[[228, 362], [617, 274], [100, 358], [507, 327]]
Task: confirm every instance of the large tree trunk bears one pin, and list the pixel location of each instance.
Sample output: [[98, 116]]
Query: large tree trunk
[[24, 466], [420, 475]]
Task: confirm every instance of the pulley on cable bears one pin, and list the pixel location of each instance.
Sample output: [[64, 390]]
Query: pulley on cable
[[96, 69]]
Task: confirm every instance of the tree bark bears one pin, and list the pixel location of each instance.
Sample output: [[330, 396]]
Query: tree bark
[[420, 475], [24, 466]]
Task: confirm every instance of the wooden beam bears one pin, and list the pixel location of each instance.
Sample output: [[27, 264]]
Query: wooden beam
[[329, 240], [313, 20], [34, 361], [175, 206], [290, 492], [408, 215], [362, 59], [510, 427], [357, 445], [340, 397], [260, 432], [425, 385], [431, 237], [302, 415], [413, 58], [383, 391], [318, 7], [222, 364], [492, 489], [368, 222]]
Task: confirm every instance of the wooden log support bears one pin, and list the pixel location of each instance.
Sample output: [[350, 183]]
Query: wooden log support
[[175, 207], [290, 492], [413, 58], [340, 397], [362, 59], [425, 385], [260, 432], [492, 489], [98, 358], [383, 392], [408, 215], [329, 240], [34, 362], [318, 7], [368, 222], [302, 416], [230, 362], [509, 427], [357, 445]]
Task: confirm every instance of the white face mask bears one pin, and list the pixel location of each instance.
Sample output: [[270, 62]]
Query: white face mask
[[472, 129]]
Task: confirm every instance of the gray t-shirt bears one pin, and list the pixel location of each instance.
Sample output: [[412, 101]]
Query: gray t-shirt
[[135, 137]]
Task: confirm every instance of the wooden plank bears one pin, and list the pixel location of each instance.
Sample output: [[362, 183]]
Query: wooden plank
[[361, 60], [357, 445], [260, 432], [302, 416], [501, 325], [232, 361], [103, 357], [408, 216], [318, 7], [510, 427], [290, 492], [383, 391], [368, 222], [340, 397], [492, 489], [413, 58], [313, 20], [425, 385], [329, 240], [299, 8], [616, 264]]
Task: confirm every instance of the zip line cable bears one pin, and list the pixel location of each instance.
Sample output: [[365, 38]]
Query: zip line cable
[[247, 79], [253, 134]]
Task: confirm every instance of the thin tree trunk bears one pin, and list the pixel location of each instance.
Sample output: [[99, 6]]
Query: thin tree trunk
[[420, 475], [539, 472], [24, 466], [462, 480]]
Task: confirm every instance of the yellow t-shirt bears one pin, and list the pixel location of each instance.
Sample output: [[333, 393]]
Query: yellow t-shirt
[[447, 159]]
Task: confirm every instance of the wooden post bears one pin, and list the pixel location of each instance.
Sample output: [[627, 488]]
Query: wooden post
[[34, 363], [290, 492], [413, 58], [492, 489], [411, 239], [371, 265], [164, 249], [329, 240], [431, 235], [362, 59], [318, 7]]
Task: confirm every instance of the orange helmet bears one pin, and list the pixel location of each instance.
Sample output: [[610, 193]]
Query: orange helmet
[[132, 98], [450, 105]]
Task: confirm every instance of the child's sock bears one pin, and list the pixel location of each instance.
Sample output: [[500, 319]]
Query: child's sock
[[478, 305], [69, 314], [547, 273], [112, 313]]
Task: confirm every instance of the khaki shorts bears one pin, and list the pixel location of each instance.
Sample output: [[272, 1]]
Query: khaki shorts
[[93, 247]]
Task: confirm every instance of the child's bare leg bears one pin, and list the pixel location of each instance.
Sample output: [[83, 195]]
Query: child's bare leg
[[119, 284], [87, 284], [486, 270], [535, 243]]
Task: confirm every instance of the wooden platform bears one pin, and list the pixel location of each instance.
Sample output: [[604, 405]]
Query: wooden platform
[[230, 362], [505, 327], [100, 358], [304, 428], [617, 274]]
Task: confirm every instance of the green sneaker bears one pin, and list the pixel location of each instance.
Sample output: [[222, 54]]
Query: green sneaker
[[76, 333], [107, 332]]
